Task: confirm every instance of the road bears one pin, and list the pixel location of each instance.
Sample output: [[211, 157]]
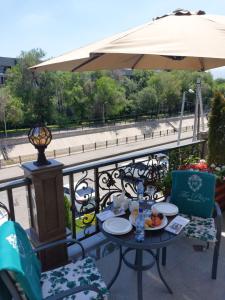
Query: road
[[14, 172], [74, 139], [19, 194]]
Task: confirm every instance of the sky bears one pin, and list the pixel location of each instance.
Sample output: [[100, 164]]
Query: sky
[[58, 26]]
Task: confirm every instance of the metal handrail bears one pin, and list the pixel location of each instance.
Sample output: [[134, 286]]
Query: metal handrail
[[123, 157], [14, 184]]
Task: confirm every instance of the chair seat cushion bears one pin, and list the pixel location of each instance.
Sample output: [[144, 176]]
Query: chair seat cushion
[[201, 228], [81, 273]]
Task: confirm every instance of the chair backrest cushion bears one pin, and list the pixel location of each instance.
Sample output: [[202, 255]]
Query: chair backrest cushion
[[17, 257], [193, 192]]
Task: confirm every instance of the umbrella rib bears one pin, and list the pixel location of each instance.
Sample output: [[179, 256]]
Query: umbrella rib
[[137, 61], [88, 61]]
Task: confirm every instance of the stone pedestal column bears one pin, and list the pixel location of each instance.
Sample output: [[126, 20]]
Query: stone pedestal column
[[47, 212]]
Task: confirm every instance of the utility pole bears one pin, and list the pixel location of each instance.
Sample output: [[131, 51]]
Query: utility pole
[[198, 111], [182, 114], [181, 118]]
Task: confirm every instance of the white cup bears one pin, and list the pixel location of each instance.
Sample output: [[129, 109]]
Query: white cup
[[125, 203], [116, 203]]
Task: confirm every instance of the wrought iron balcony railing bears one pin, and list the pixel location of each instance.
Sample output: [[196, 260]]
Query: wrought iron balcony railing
[[88, 187]]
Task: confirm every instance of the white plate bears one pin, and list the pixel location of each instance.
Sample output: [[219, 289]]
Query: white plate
[[162, 225], [117, 226], [167, 209]]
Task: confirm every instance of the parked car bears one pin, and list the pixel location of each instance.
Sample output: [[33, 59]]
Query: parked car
[[84, 197]]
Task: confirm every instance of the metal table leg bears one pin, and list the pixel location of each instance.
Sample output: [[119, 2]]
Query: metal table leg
[[164, 256], [138, 260], [159, 271], [118, 269]]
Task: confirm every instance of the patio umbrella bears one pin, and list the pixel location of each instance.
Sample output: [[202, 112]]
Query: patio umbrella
[[181, 40]]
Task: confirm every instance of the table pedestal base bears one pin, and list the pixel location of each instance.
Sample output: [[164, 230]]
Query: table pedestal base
[[139, 267]]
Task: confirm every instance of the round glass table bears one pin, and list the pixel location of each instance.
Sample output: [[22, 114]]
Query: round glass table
[[155, 241]]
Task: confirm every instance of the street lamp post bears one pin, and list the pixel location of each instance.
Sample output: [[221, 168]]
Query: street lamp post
[[198, 111], [182, 114]]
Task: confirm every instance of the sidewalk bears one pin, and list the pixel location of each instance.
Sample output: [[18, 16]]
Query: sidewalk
[[15, 172], [74, 139]]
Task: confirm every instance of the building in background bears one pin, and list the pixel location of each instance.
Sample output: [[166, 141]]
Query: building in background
[[5, 63]]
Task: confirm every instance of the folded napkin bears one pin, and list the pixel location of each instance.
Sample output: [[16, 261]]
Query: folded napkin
[[104, 215]]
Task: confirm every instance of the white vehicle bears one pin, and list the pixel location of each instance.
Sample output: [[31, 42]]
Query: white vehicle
[[84, 196]]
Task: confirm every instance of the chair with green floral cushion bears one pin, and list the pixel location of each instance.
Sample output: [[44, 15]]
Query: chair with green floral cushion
[[194, 193], [21, 277]]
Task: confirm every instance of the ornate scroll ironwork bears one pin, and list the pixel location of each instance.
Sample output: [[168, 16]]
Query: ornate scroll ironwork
[[114, 181]]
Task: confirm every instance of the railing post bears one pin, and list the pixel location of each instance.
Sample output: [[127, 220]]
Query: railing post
[[47, 210], [11, 205], [73, 206], [97, 194], [29, 205]]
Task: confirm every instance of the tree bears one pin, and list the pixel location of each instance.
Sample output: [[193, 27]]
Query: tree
[[219, 85], [109, 97], [146, 100], [63, 97], [11, 112], [216, 140], [34, 90], [168, 89]]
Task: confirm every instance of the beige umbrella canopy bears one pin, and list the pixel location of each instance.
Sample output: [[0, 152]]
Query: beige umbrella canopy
[[181, 40]]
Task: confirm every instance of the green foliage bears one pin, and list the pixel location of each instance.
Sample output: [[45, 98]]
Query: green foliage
[[34, 90], [177, 158], [11, 108], [184, 155], [63, 98], [68, 212], [165, 184], [146, 100], [216, 139], [81, 222], [110, 94]]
